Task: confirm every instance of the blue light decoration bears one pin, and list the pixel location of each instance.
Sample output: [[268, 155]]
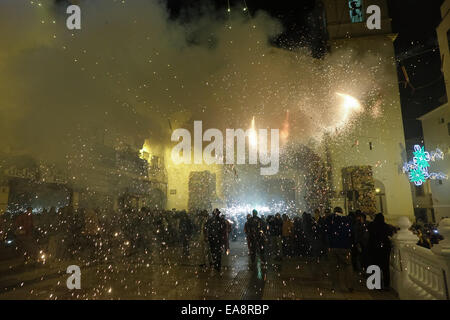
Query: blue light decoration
[[356, 10], [417, 169]]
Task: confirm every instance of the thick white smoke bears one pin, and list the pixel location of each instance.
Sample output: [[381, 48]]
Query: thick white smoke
[[130, 68]]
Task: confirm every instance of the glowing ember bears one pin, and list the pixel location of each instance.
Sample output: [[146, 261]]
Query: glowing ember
[[349, 105], [253, 138], [284, 134]]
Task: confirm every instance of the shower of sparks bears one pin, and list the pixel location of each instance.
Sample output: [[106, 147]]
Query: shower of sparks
[[253, 137], [284, 133], [150, 239]]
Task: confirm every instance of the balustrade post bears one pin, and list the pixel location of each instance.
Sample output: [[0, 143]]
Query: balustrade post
[[443, 249], [403, 237]]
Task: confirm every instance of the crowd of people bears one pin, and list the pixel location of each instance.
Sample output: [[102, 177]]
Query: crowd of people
[[93, 234], [427, 233], [349, 243]]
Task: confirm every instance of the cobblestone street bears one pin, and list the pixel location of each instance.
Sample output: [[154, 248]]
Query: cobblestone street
[[167, 276]]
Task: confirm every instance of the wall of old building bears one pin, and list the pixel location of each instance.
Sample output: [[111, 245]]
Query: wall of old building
[[443, 32], [178, 181], [436, 124], [376, 141]]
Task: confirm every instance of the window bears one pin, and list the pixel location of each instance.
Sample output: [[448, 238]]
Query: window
[[356, 10]]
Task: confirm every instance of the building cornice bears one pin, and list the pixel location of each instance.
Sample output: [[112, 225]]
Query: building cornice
[[433, 112]]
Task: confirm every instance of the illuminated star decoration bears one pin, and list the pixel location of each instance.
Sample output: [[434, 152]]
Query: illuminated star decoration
[[418, 167], [421, 157], [418, 176]]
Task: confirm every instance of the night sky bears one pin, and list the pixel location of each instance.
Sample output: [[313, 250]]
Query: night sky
[[416, 46], [417, 49], [299, 18]]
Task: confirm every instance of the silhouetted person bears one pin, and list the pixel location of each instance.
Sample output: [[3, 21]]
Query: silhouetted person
[[226, 236], [92, 232], [307, 222], [205, 258], [257, 235], [247, 234], [361, 236], [299, 241], [24, 227], [286, 233], [215, 229], [339, 232], [275, 227], [186, 229], [322, 233], [380, 246], [317, 215]]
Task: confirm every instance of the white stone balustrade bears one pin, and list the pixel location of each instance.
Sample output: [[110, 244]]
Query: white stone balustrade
[[417, 272]]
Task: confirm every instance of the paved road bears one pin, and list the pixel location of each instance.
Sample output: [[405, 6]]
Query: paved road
[[169, 276]]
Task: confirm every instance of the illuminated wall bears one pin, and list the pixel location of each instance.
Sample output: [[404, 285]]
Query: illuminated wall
[[436, 125], [443, 34], [178, 180], [378, 142], [436, 135]]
